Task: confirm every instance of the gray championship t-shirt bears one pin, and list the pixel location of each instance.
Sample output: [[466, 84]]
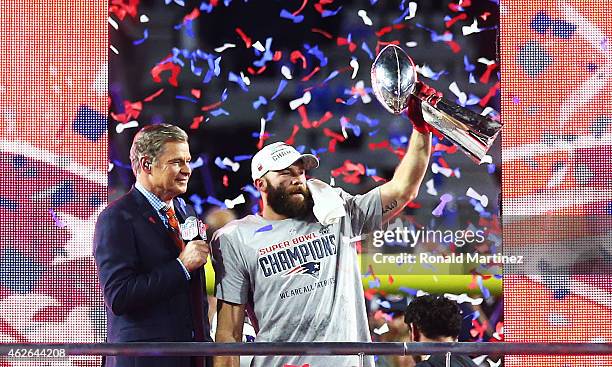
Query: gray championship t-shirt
[[303, 278]]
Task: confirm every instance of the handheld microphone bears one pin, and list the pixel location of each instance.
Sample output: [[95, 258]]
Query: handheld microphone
[[193, 229]]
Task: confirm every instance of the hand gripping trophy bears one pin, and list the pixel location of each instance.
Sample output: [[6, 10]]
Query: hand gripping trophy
[[394, 81]]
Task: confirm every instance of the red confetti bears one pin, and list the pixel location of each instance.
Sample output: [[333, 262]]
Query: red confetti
[[378, 179], [487, 74], [462, 5], [306, 124], [247, 41], [313, 72], [277, 55], [300, 9], [291, 139], [297, 55], [388, 29], [132, 111], [320, 31], [450, 22], [454, 46], [193, 15], [492, 92], [211, 106], [154, 95], [120, 9], [166, 66], [478, 329], [381, 44], [196, 93], [328, 115], [331, 146], [258, 71], [485, 15], [196, 122], [341, 41], [391, 280], [225, 181], [319, 6], [334, 135]]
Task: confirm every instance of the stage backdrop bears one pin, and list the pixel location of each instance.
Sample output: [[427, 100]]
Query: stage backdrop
[[232, 83]]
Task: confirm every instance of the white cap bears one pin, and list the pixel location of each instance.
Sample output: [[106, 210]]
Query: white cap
[[278, 156]]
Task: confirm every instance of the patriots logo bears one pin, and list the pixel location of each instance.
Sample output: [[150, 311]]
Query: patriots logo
[[311, 268]]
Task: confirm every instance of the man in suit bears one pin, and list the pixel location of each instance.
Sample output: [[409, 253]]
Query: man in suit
[[152, 281]]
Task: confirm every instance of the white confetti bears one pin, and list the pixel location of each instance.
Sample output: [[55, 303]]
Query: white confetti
[[262, 129], [225, 47], [484, 60], [436, 168], [113, 23], [144, 19], [453, 87], [463, 298], [230, 204], [245, 78], [411, 44], [412, 8], [355, 65], [120, 127], [484, 200], [286, 72], [382, 330], [228, 162], [259, 47], [486, 159], [431, 189], [305, 99], [114, 49], [364, 16], [473, 28]]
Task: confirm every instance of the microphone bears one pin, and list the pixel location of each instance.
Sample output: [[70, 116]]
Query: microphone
[[193, 229]]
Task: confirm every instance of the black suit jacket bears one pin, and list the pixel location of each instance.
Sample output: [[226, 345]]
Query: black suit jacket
[[146, 293]]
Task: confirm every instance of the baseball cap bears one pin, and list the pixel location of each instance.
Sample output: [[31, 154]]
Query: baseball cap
[[278, 156]]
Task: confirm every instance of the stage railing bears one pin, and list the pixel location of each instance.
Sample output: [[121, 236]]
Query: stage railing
[[311, 348]]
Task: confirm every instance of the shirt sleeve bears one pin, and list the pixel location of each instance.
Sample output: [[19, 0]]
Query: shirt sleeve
[[364, 211], [231, 275]]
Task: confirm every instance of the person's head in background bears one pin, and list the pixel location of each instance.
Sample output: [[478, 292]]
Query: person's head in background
[[432, 318], [217, 218]]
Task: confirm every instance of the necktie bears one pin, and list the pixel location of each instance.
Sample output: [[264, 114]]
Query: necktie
[[196, 293], [174, 228]]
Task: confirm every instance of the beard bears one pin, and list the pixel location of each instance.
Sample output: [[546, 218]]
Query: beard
[[286, 202]]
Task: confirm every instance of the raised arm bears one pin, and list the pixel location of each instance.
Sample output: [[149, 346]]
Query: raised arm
[[404, 186]]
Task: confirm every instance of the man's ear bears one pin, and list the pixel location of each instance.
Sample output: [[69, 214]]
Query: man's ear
[[145, 163], [261, 184]]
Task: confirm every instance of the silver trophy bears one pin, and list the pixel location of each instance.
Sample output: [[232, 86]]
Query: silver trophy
[[394, 81]]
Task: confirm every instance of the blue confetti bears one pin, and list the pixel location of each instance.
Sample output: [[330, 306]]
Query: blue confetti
[[214, 201], [252, 191], [331, 76], [288, 15], [260, 101], [232, 77], [188, 99], [264, 229], [410, 291], [330, 13], [240, 158], [468, 66], [364, 118], [197, 203], [367, 50], [281, 86], [317, 53], [218, 112], [485, 291], [144, 38]]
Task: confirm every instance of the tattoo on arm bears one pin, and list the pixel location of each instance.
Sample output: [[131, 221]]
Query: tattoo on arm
[[392, 205]]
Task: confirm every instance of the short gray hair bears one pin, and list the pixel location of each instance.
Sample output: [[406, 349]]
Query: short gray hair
[[150, 140]]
